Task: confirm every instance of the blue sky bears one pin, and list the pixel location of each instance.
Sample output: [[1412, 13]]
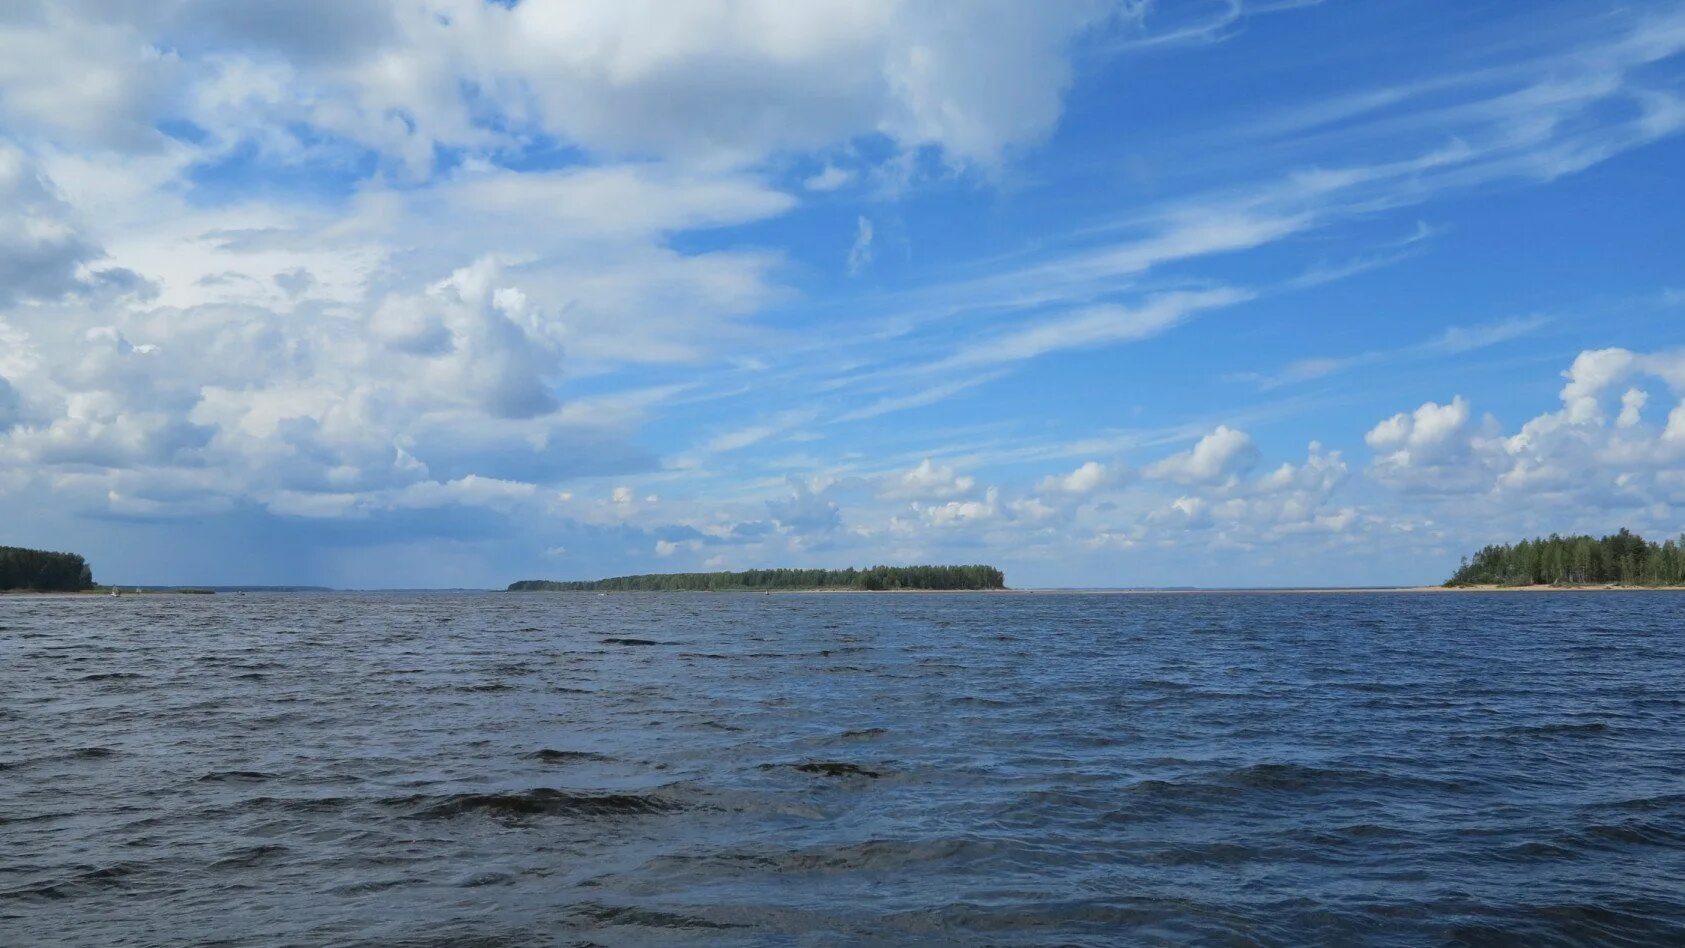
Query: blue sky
[[449, 293]]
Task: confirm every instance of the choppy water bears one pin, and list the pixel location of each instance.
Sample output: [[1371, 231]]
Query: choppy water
[[723, 769]]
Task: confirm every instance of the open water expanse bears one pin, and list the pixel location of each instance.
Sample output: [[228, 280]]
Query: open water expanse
[[831, 769]]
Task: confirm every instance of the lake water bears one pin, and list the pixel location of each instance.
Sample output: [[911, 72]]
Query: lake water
[[828, 769]]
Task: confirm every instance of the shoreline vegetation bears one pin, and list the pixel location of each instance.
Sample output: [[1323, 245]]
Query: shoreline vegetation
[[1622, 560], [872, 579], [29, 570]]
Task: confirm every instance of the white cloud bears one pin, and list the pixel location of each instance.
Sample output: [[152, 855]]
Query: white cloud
[[961, 512], [1632, 407], [43, 251], [713, 84], [830, 178], [1219, 457], [1091, 326], [1570, 460], [860, 254], [1087, 478], [927, 481], [1452, 341]]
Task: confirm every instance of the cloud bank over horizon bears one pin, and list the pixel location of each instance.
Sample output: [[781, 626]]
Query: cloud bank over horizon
[[452, 292]]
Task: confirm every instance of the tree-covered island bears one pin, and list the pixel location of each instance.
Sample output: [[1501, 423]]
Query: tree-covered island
[[1623, 558], [42, 571], [756, 580]]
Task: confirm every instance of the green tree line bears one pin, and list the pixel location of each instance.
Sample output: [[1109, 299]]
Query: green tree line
[[1625, 558], [873, 578], [41, 571]]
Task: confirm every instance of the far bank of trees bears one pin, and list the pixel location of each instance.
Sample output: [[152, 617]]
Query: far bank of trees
[[1625, 558], [41, 571], [873, 578]]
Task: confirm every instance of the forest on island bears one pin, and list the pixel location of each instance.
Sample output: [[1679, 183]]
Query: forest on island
[[873, 578], [41, 571], [1624, 558]]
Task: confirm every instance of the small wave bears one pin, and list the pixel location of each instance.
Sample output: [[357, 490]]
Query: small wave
[[232, 776], [827, 768], [249, 856], [621, 640], [643, 917], [553, 756], [872, 855], [1201, 854], [865, 733], [111, 676], [1534, 851], [104, 877], [297, 804], [1629, 833], [1663, 801], [1293, 777], [539, 801], [1562, 728], [370, 886]]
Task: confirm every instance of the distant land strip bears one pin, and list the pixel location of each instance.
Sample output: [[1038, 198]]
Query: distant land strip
[[755, 580]]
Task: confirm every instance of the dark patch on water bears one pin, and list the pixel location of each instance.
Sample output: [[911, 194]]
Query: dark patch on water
[[540, 801], [623, 915], [828, 768], [236, 776], [552, 756]]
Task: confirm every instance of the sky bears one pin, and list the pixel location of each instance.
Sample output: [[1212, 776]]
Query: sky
[[451, 293]]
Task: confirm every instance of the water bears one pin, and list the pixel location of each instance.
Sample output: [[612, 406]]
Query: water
[[825, 769]]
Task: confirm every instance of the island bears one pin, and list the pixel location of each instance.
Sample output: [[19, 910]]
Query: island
[[1619, 559], [42, 571], [875, 578]]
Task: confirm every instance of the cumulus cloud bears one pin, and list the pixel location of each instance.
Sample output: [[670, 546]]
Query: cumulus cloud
[[830, 178], [708, 83], [1220, 456], [1087, 478], [927, 481], [807, 511], [43, 251], [1574, 458], [956, 513]]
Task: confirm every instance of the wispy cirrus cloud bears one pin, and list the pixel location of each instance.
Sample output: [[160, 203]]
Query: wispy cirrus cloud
[[1455, 340]]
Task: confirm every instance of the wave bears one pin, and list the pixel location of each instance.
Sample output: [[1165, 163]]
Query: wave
[[552, 756], [539, 801], [1561, 728], [826, 768], [608, 915], [228, 776], [77, 883], [249, 856]]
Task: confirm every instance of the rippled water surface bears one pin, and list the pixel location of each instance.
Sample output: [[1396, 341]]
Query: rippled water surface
[[743, 769]]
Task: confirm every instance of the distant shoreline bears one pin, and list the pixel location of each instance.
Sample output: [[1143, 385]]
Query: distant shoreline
[[1172, 591], [1027, 591]]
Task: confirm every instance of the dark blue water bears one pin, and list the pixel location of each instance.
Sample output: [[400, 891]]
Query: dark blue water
[[825, 769]]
